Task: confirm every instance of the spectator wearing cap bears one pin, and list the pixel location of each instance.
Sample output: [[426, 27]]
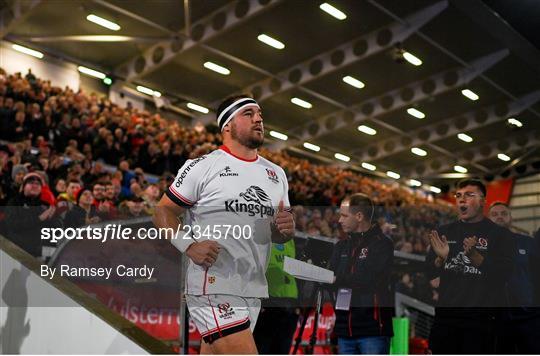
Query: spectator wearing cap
[[26, 215], [132, 208], [83, 212], [17, 174]]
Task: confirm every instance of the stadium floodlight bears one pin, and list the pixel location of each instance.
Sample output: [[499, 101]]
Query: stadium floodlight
[[272, 42], [412, 59], [515, 122], [414, 183], [312, 147], [470, 94], [198, 108], [342, 157], [460, 169], [418, 151], [333, 11], [416, 113], [26, 50], [368, 166], [279, 135], [367, 130], [465, 137], [148, 91], [302, 103], [353, 82], [103, 22], [503, 157], [91, 72], [216, 68]]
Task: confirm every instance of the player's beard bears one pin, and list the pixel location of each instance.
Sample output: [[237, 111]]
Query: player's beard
[[249, 140]]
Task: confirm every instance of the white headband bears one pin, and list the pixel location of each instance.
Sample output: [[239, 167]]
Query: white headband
[[228, 113]]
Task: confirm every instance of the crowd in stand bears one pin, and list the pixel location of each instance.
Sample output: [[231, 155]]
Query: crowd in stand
[[62, 144]]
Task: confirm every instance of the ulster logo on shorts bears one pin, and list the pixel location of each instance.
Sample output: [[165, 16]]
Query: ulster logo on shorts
[[211, 279], [225, 311], [224, 307], [272, 175]]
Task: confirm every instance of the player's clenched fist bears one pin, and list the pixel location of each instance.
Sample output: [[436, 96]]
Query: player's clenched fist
[[284, 220], [203, 253]]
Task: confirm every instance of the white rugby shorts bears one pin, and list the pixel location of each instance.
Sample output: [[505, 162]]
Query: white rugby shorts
[[219, 315]]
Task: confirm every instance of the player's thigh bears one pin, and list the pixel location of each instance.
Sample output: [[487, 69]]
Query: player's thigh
[[206, 349], [241, 342]]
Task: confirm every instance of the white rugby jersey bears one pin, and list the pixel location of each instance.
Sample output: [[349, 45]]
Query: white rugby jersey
[[233, 201]]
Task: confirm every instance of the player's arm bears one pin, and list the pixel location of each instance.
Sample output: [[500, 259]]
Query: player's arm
[[167, 215]]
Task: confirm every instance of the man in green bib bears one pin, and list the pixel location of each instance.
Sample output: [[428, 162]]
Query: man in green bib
[[278, 318]]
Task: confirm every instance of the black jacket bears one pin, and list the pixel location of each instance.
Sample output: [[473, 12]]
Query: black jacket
[[524, 279], [76, 217], [363, 263], [23, 223], [467, 293]]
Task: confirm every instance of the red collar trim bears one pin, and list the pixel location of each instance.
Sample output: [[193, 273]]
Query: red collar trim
[[226, 149]]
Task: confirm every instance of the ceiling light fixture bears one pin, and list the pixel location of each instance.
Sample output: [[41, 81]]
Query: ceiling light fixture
[[148, 91], [272, 42], [331, 10], [503, 157], [465, 137], [28, 51], [216, 68], [435, 189], [515, 122], [418, 151], [367, 130], [91, 72], [312, 147], [416, 113], [279, 135], [460, 169], [198, 108], [470, 94], [393, 175], [353, 82], [411, 58], [342, 157], [368, 166], [103, 22], [301, 103], [414, 183]]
